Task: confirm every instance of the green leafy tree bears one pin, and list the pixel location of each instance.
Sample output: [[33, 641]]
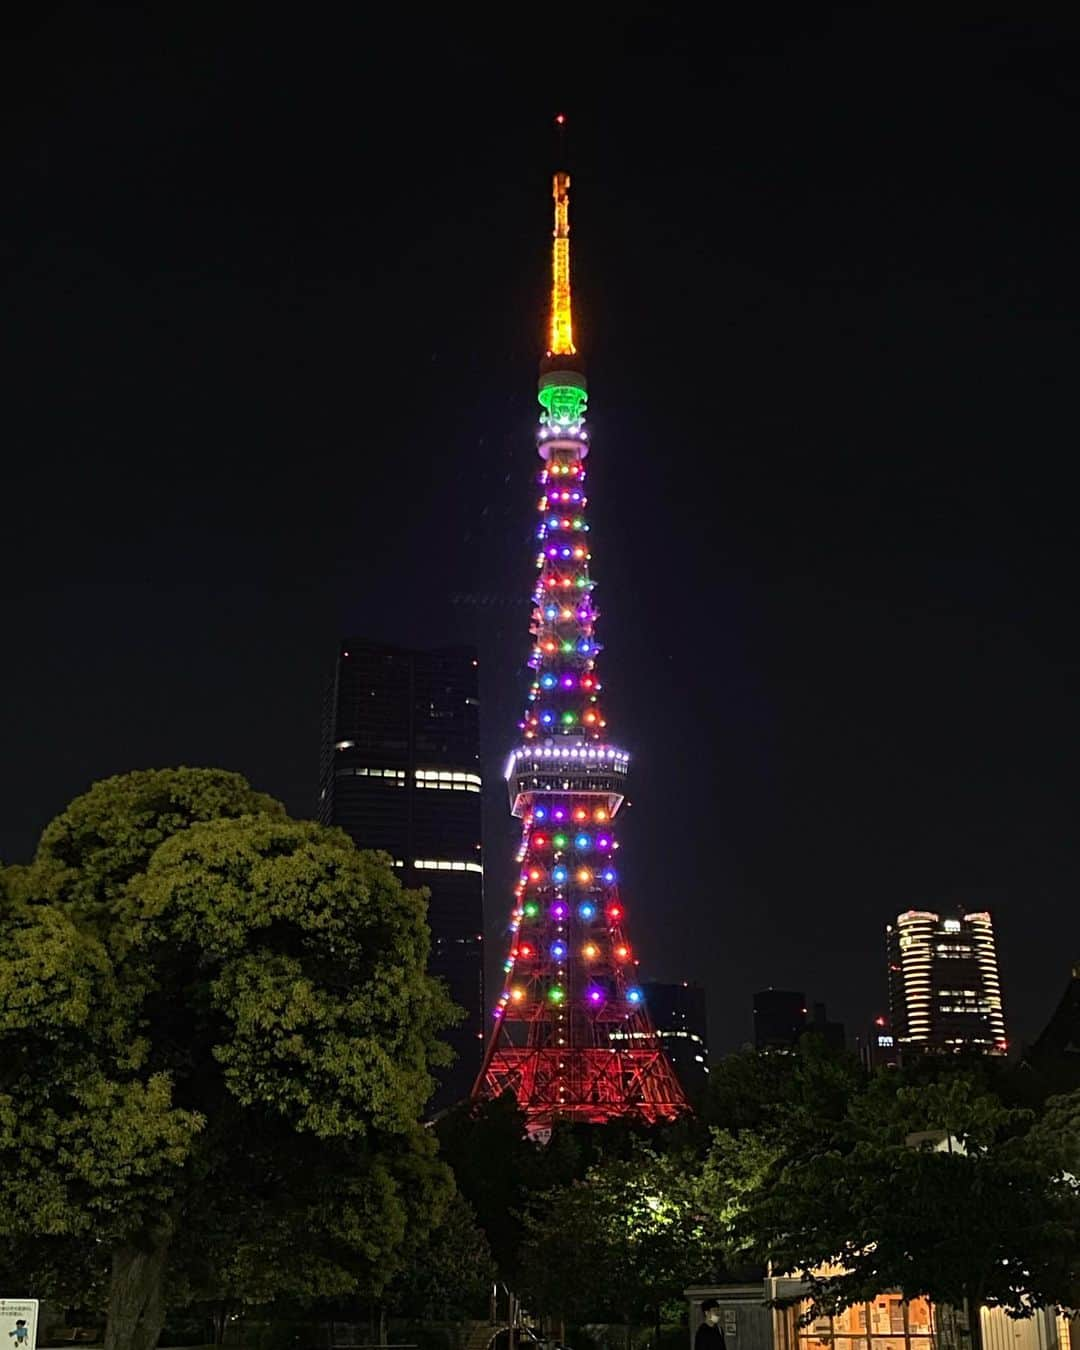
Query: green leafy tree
[[449, 1274], [988, 1216], [215, 1035], [620, 1243]]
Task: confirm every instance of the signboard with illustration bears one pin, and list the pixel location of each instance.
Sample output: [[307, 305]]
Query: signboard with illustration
[[18, 1323]]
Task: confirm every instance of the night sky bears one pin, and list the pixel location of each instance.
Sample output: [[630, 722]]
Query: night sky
[[274, 296]]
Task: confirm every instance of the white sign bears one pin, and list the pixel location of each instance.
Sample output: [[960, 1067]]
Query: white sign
[[18, 1323]]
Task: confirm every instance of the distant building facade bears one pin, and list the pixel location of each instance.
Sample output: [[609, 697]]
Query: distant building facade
[[832, 1033], [944, 990], [779, 1018], [400, 771], [782, 1016], [679, 1016], [877, 1046], [1054, 1056]]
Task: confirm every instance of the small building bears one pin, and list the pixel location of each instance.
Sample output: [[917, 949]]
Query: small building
[[887, 1322]]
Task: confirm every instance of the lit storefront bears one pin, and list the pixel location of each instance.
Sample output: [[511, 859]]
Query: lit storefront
[[887, 1322]]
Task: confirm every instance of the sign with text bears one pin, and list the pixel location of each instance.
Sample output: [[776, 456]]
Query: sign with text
[[18, 1323]]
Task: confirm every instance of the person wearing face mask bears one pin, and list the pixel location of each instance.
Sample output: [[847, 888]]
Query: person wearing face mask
[[709, 1336]]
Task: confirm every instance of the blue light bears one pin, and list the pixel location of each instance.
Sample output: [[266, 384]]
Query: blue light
[[609, 875], [633, 996], [583, 647], [548, 681], [558, 876], [558, 951], [582, 842], [586, 910], [539, 814], [547, 718]]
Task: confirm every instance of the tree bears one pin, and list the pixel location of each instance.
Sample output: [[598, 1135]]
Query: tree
[[215, 1034], [620, 1243], [992, 1217], [449, 1274]]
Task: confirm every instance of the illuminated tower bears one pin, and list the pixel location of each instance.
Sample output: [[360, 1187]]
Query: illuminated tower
[[572, 1036]]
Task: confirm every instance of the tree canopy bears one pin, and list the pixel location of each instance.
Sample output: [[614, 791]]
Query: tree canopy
[[934, 1189], [215, 1039]]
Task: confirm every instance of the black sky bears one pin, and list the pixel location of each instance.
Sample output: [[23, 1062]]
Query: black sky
[[273, 301]]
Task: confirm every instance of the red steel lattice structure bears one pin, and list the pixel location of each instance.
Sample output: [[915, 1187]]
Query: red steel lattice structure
[[572, 1037]]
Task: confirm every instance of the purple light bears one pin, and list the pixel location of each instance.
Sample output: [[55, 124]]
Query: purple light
[[603, 842], [568, 682], [595, 996], [559, 813], [558, 911]]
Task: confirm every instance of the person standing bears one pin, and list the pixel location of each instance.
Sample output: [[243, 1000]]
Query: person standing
[[708, 1335]]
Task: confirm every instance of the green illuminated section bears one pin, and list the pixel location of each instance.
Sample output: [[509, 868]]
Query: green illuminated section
[[563, 395], [563, 402]]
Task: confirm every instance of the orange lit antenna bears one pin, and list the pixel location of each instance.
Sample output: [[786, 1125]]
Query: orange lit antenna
[[561, 340]]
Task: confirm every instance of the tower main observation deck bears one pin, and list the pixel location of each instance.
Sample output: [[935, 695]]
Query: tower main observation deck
[[572, 1038]]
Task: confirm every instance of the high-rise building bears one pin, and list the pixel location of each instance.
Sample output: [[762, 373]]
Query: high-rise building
[[944, 992], [1054, 1057], [830, 1031], [572, 1037], [779, 1018], [679, 1016], [877, 1047], [401, 772]]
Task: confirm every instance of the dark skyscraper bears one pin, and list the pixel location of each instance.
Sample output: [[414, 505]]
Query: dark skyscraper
[[400, 772], [678, 1014], [944, 992], [779, 1018]]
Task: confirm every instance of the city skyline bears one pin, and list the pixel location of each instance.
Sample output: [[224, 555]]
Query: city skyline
[[258, 401]]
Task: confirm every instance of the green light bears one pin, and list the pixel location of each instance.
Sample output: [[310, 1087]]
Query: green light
[[559, 841], [564, 403], [563, 395], [556, 995], [568, 719], [567, 646], [531, 910]]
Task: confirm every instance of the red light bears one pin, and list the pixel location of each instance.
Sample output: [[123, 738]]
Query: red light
[[561, 119], [615, 912], [525, 949]]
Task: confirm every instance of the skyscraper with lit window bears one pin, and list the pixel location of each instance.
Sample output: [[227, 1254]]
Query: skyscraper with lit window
[[944, 991], [679, 1014], [400, 772]]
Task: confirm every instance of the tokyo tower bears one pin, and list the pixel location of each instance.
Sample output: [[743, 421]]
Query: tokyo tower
[[572, 1039]]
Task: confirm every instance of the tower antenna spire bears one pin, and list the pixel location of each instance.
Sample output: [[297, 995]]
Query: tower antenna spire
[[561, 334]]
